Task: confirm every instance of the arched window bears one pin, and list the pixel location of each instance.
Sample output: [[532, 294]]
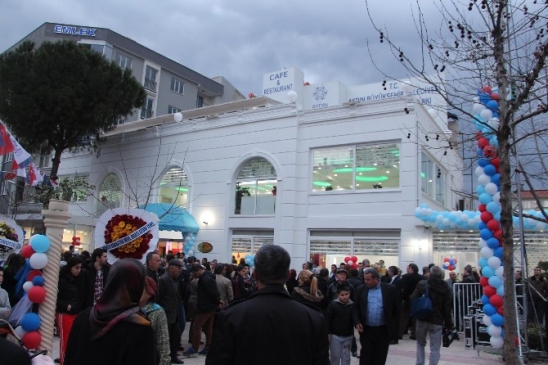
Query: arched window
[[256, 186], [174, 188], [110, 193]]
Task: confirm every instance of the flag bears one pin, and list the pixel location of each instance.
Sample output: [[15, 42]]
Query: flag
[[22, 157], [18, 170], [5, 141], [35, 175]]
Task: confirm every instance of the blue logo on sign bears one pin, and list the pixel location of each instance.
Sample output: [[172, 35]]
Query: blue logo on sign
[[67, 29]]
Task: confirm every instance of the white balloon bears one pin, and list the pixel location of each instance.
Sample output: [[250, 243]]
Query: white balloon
[[494, 123], [350, 262], [27, 286], [476, 99], [486, 320], [496, 342], [478, 108], [19, 331], [494, 331], [487, 253], [491, 188], [494, 262], [178, 117], [484, 179], [478, 171], [486, 114], [38, 260], [496, 197], [499, 271], [482, 243]]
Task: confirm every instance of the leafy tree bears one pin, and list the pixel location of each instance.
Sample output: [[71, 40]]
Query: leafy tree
[[59, 94], [498, 43]]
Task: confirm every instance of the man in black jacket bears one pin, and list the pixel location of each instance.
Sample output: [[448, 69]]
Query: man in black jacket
[[408, 284], [96, 276], [434, 325], [208, 303], [169, 298], [269, 327]]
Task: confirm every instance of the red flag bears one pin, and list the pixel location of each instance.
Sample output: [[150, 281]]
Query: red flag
[[6, 146]]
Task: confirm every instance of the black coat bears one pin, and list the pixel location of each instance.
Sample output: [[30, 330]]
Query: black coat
[[71, 290], [269, 328], [208, 294], [391, 305], [440, 294], [408, 284], [339, 318], [168, 297]]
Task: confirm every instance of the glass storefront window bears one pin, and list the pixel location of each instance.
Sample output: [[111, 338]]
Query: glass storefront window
[[363, 167], [432, 179], [110, 194], [256, 188], [174, 188], [247, 243]]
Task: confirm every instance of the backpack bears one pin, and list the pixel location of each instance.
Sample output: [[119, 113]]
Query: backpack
[[421, 307]]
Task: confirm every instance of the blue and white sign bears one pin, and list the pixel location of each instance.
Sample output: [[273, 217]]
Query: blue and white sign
[[72, 30]]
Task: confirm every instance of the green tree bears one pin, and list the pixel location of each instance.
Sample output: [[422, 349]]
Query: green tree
[[55, 96]]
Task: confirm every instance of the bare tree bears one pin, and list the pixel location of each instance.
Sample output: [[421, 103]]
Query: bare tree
[[477, 43]]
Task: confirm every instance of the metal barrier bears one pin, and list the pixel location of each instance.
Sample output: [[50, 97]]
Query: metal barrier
[[464, 295]]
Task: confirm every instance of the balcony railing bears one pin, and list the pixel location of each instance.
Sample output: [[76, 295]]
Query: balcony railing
[[150, 85], [147, 113]]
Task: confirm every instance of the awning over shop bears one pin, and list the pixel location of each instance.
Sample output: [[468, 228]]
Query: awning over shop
[[173, 218]]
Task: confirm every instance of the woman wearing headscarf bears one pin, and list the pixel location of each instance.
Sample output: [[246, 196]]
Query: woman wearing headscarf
[[114, 331], [70, 300], [158, 320], [307, 291]]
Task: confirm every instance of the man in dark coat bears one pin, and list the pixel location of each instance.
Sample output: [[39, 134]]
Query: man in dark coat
[[439, 293], [408, 284], [169, 298], [266, 315], [153, 266], [376, 317], [96, 276]]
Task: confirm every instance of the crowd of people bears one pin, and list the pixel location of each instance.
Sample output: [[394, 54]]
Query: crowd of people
[[139, 312]]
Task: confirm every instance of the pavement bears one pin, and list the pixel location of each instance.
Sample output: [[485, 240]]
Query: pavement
[[404, 353]]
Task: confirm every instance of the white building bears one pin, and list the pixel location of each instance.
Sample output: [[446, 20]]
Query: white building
[[338, 173]]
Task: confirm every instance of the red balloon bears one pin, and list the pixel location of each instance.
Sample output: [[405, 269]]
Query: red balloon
[[32, 340], [479, 135], [498, 234], [482, 208], [486, 217], [487, 89], [33, 273], [354, 266], [495, 162], [446, 259], [496, 300], [489, 291], [493, 225], [37, 294], [483, 143], [354, 259], [451, 267], [27, 251], [484, 281], [490, 151], [500, 311], [346, 259], [495, 96]]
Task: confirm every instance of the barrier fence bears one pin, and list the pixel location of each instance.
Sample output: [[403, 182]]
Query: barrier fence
[[464, 296]]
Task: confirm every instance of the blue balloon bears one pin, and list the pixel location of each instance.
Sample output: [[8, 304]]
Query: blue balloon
[[493, 243], [38, 280], [482, 225], [500, 290], [495, 179], [489, 310], [480, 189], [493, 105], [487, 271], [39, 243], [493, 207], [486, 233], [485, 198], [483, 262], [452, 261], [495, 281], [485, 299], [498, 252], [484, 98], [489, 170], [496, 319], [479, 152], [30, 322], [483, 161]]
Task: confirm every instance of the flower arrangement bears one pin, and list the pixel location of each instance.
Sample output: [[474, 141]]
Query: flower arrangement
[[122, 225], [9, 233]]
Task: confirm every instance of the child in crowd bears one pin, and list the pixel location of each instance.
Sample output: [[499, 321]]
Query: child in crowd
[[340, 326]]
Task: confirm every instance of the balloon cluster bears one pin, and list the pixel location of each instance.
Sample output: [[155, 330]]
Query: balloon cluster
[[351, 261], [449, 263], [492, 270], [34, 287], [188, 243], [250, 260]]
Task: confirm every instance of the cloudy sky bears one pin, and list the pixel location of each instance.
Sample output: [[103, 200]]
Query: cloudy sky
[[238, 39]]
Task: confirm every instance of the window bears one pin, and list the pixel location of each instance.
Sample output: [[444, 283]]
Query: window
[[174, 187], [150, 78], [247, 242], [432, 179], [110, 194], [256, 187], [81, 193], [173, 110], [177, 86], [124, 61], [4, 188], [103, 49], [146, 110], [363, 167], [9, 157], [44, 161], [199, 102]]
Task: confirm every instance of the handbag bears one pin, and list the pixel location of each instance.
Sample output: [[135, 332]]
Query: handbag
[[449, 336], [421, 307]]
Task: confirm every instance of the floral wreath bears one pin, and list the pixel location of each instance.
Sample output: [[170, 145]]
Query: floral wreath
[[11, 231], [137, 226]]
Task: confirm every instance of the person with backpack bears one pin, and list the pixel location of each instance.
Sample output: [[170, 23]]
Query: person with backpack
[[437, 319]]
